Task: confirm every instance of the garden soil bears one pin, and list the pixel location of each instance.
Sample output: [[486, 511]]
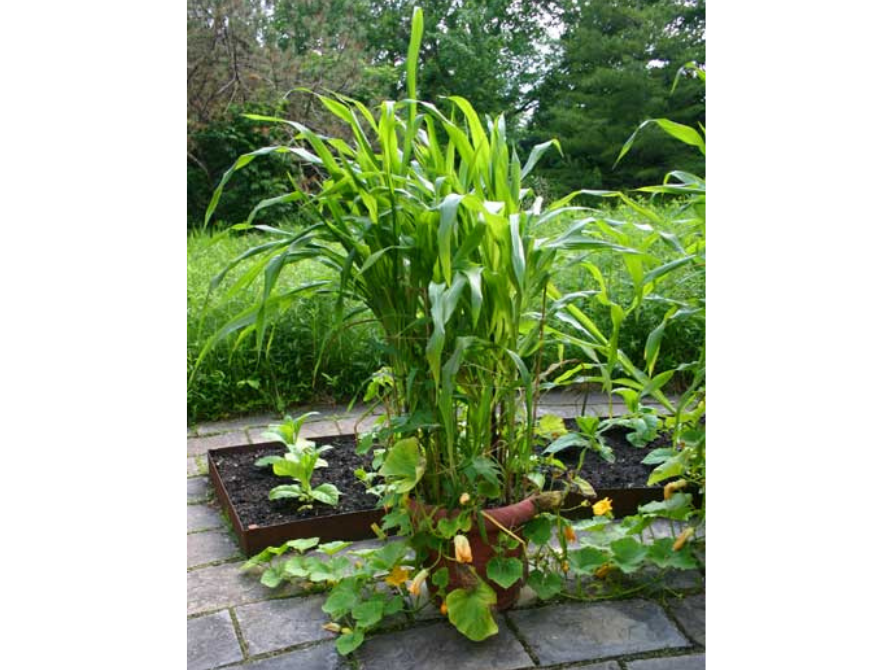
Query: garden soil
[[248, 485]]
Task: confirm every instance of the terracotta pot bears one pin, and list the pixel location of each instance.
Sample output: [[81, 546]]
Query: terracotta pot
[[460, 574]]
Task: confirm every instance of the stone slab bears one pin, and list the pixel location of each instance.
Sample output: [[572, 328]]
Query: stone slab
[[441, 647], [690, 613], [224, 585], [240, 424], [202, 517], [592, 631], [691, 662], [277, 624], [198, 489], [608, 665], [192, 468], [201, 445], [211, 642], [208, 547], [319, 657]]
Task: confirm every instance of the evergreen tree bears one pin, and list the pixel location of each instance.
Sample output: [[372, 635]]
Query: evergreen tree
[[617, 69]]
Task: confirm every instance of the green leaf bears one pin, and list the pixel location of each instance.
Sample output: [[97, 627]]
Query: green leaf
[[545, 585], [296, 567], [369, 613], [440, 577], [326, 493], [672, 467], [343, 598], [551, 425], [303, 544], [405, 464], [586, 560], [332, 548], [272, 576], [628, 554], [448, 527], [504, 571], [662, 554], [389, 555], [287, 491], [348, 642], [539, 530], [659, 455], [470, 611], [566, 441]]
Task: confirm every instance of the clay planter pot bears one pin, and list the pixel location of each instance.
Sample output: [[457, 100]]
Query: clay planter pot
[[512, 517]]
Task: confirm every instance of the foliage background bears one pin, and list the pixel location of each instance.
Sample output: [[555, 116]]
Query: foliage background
[[587, 72]]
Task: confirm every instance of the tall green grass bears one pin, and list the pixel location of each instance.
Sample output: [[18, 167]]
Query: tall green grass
[[238, 380]]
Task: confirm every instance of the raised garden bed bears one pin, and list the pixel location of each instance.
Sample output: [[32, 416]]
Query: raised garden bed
[[259, 523]]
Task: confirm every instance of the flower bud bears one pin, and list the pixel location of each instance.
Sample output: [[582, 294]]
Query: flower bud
[[672, 487], [332, 627], [683, 537], [569, 533], [444, 608], [415, 587], [464, 499]]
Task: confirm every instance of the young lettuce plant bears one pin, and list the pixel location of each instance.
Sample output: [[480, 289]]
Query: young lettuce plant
[[302, 457]]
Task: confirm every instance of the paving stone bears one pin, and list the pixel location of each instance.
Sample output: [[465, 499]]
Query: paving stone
[[239, 424], [691, 662], [225, 586], [214, 545], [690, 612], [201, 445], [581, 631], [192, 468], [211, 642], [608, 665], [202, 517], [198, 489], [319, 657], [276, 624], [441, 647]]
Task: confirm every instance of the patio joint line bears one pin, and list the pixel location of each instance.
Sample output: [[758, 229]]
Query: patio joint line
[[214, 564], [243, 645], [529, 650]]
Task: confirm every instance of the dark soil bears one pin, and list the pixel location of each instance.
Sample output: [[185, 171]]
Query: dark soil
[[626, 472], [248, 485]]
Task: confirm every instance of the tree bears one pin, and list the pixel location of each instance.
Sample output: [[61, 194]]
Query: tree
[[248, 56], [491, 52], [617, 68]]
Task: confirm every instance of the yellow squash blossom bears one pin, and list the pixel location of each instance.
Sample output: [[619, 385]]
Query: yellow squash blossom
[[602, 507], [462, 549], [464, 499], [415, 587], [682, 537], [569, 534], [398, 576], [604, 570], [444, 608]]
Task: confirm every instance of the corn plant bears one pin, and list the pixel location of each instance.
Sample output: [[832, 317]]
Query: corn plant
[[425, 219]]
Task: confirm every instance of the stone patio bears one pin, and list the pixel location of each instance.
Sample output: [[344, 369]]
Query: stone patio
[[235, 622]]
